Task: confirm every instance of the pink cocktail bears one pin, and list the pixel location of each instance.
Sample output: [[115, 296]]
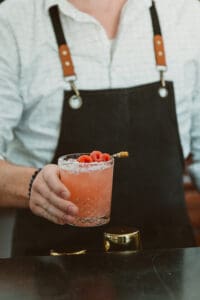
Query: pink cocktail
[[90, 185]]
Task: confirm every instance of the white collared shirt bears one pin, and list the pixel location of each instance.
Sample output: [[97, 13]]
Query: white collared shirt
[[31, 81]]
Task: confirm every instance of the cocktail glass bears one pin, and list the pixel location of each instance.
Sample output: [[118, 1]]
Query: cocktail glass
[[90, 185]]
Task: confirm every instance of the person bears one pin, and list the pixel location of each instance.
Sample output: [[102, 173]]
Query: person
[[129, 74]]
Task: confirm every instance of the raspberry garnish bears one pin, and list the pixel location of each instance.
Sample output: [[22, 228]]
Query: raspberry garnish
[[96, 155], [106, 156], [84, 159]]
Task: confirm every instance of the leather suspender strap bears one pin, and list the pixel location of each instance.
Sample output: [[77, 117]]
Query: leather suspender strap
[[155, 20], [158, 39], [64, 52]]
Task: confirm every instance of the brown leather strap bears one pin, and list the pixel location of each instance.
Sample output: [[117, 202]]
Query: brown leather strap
[[158, 39], [64, 52], [159, 50], [66, 60]]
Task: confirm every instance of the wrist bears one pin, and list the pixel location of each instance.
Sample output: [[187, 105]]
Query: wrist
[[34, 175]]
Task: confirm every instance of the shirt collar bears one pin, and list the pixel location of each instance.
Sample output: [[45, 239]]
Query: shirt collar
[[63, 5], [148, 3], [67, 8], [49, 3]]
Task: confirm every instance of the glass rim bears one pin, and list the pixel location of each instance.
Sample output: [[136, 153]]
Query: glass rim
[[62, 161]]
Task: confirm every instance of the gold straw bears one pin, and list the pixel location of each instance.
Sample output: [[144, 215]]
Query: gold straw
[[121, 154]]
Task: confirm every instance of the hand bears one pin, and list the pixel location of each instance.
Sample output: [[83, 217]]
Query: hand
[[50, 198]]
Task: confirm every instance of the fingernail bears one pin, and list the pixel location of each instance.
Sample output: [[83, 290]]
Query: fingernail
[[62, 221], [65, 219], [65, 195], [73, 210]]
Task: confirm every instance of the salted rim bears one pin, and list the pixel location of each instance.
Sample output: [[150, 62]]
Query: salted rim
[[76, 166]]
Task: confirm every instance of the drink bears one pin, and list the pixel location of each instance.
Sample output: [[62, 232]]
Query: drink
[[90, 185]]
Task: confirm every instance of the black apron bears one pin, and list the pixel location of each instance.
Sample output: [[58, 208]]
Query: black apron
[[148, 186]]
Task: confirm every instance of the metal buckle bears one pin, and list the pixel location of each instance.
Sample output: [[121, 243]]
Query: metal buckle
[[75, 101], [74, 88], [162, 78], [70, 78], [163, 91]]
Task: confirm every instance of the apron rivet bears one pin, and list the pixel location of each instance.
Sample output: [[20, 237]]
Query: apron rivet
[[163, 92], [67, 63], [75, 102]]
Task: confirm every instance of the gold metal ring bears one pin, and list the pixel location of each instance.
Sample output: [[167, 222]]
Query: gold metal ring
[[56, 253]]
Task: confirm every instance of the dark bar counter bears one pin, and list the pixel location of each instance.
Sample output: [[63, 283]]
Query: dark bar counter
[[148, 275]]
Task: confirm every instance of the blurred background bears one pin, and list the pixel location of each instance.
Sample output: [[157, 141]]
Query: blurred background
[[7, 216]]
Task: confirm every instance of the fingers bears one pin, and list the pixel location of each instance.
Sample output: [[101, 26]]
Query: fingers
[[64, 205], [50, 198], [50, 175], [44, 209]]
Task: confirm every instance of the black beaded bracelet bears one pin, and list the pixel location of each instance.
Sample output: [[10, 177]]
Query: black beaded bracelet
[[31, 181]]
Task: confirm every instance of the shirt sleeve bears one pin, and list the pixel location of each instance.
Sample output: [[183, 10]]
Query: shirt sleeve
[[11, 104], [194, 168]]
